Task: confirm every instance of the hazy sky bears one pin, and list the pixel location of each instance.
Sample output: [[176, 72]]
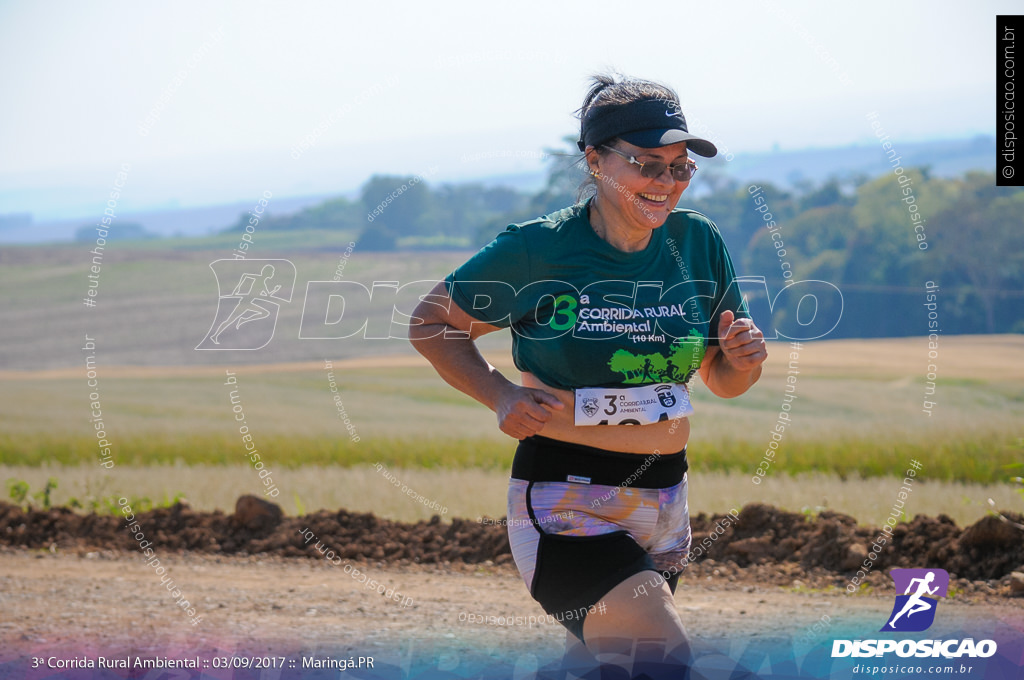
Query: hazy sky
[[462, 87]]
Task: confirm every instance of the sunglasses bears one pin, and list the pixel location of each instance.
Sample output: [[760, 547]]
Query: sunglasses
[[681, 172]]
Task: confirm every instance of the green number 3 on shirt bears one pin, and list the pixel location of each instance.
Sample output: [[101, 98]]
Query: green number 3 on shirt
[[567, 312]]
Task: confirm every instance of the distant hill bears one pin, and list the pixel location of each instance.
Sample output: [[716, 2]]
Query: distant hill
[[784, 169], [196, 221]]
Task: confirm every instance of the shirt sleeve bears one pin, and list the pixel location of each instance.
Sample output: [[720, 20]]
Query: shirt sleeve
[[485, 286], [727, 290]]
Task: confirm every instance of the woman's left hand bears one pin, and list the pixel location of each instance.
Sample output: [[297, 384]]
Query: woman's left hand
[[741, 342]]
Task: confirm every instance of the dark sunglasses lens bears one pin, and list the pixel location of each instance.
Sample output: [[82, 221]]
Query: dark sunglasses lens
[[652, 169], [682, 173], [685, 171]]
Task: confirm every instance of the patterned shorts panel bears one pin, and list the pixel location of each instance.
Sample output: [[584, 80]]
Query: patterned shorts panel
[[657, 519]]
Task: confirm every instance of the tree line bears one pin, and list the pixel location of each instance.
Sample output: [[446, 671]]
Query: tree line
[[877, 241]]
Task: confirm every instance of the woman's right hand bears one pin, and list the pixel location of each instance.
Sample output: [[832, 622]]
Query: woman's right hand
[[523, 411]]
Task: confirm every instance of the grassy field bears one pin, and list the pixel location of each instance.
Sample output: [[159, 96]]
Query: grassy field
[[154, 306], [858, 417], [166, 410], [858, 412]]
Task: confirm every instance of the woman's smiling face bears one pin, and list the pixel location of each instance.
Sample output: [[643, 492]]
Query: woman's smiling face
[[635, 201]]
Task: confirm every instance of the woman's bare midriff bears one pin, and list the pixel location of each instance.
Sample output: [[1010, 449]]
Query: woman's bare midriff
[[666, 437]]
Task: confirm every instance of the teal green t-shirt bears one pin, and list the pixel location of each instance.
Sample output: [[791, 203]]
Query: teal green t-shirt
[[585, 314]]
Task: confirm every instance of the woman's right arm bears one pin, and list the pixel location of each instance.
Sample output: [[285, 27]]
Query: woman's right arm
[[443, 333]]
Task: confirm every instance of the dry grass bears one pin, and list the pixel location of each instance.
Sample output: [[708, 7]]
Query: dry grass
[[474, 493], [858, 414]]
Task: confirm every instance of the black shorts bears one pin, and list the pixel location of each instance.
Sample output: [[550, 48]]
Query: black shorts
[[581, 520]]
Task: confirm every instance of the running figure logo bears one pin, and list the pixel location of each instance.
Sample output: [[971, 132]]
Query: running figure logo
[[257, 289], [914, 610]]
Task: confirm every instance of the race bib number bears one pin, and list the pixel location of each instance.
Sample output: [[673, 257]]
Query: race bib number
[[643, 405]]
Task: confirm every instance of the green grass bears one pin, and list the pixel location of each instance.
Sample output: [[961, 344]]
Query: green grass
[[850, 442], [988, 459], [843, 423], [285, 451], [979, 458]]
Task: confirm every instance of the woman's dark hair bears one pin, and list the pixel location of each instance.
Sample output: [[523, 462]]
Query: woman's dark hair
[[615, 88]]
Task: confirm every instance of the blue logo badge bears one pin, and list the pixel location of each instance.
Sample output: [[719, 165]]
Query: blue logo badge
[[914, 610]]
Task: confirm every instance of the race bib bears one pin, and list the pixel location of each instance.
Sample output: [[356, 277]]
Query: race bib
[[643, 405]]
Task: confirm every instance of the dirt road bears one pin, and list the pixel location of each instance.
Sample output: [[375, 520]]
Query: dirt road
[[113, 604]]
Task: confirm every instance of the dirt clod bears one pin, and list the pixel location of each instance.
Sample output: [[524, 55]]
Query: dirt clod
[[1017, 583], [256, 514]]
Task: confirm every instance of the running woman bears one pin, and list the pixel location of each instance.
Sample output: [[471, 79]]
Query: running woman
[[603, 298]]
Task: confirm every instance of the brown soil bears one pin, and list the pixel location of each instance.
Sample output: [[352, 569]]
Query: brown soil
[[827, 550], [74, 584]]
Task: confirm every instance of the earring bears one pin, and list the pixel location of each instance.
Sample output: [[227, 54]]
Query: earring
[[595, 174]]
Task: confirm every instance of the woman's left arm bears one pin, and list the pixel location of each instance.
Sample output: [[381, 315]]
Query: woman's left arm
[[734, 365]]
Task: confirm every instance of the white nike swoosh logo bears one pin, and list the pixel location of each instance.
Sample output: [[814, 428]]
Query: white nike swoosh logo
[[673, 113]]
